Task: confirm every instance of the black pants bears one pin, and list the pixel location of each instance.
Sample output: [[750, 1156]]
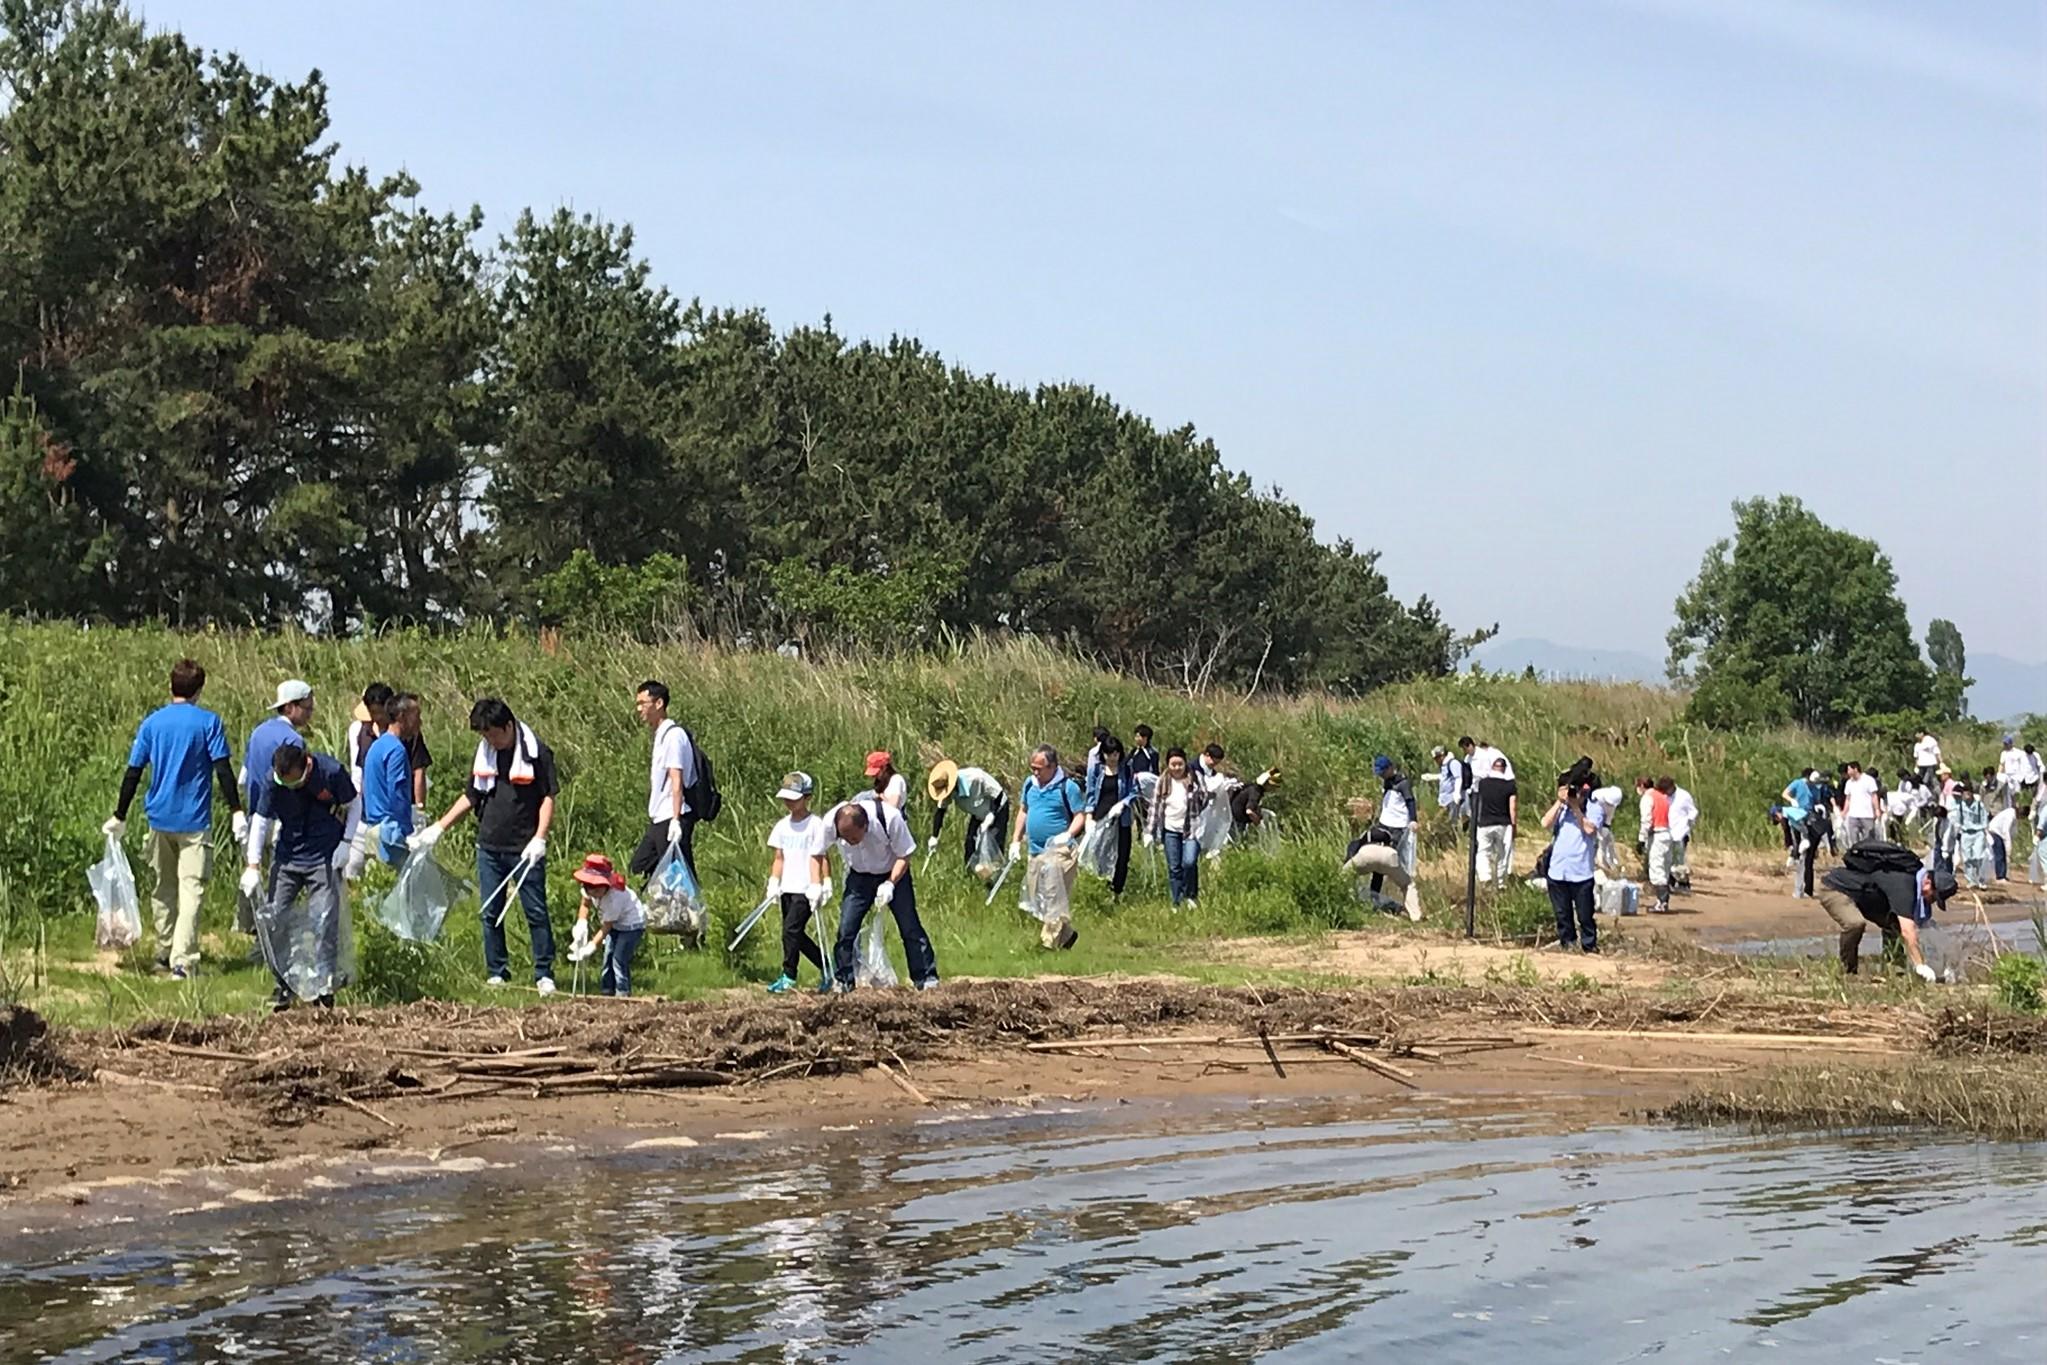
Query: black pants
[[1122, 860], [1574, 899], [797, 944], [654, 845], [1000, 826], [1809, 850]]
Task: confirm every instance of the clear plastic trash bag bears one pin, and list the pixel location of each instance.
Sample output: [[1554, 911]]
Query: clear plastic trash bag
[[1267, 830], [415, 907], [1215, 822], [1098, 845], [1047, 890], [1617, 896], [987, 854], [113, 890], [675, 904], [872, 968], [299, 944]]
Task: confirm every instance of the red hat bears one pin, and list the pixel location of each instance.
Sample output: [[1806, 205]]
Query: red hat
[[598, 872], [879, 759]]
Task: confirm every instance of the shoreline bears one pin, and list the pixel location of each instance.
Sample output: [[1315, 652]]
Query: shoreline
[[239, 1109]]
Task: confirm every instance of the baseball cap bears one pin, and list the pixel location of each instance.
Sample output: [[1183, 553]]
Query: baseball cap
[[794, 786], [879, 759], [291, 691]]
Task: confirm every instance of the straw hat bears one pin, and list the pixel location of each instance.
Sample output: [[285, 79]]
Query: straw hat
[[945, 775]]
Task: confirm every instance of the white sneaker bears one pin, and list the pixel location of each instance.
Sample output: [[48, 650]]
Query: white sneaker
[[545, 985], [495, 982], [1190, 904]]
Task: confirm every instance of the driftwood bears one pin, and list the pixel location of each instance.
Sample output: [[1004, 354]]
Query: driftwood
[[1850, 1042]]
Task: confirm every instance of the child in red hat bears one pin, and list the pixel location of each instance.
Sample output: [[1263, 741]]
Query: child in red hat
[[621, 923]]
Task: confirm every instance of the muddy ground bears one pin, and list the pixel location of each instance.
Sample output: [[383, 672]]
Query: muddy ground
[[94, 1118]]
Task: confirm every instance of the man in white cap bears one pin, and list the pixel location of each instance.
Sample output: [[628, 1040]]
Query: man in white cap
[[291, 715]]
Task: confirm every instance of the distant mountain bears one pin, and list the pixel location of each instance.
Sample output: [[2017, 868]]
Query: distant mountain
[[1569, 661], [2005, 688]]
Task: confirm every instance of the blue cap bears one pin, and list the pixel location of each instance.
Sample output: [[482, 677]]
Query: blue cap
[[1380, 764]]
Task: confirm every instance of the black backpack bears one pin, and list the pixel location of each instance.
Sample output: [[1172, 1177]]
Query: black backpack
[[1876, 855], [705, 800]]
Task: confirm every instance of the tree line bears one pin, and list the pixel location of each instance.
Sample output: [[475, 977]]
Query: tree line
[[255, 386]]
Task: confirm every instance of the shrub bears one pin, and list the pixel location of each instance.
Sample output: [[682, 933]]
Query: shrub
[[2020, 982]]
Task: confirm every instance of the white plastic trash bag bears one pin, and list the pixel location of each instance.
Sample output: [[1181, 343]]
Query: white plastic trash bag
[[113, 889], [987, 854], [1215, 820], [873, 969], [675, 904], [416, 906]]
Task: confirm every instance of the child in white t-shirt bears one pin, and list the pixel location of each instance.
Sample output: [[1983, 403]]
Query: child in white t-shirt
[[798, 878], [621, 923]]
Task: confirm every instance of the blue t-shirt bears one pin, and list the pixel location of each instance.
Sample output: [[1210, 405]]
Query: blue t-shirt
[[387, 783], [1801, 795], [1049, 810], [1572, 856], [308, 815], [179, 744], [264, 742]]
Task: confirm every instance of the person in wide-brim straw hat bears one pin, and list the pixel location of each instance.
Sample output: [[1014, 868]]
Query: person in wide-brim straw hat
[[980, 799]]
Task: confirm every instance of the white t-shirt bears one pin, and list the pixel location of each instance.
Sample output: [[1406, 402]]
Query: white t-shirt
[[1176, 805], [1926, 753], [888, 838], [672, 749], [1684, 813], [621, 909], [1393, 811], [896, 792], [2003, 823], [798, 841], [1861, 794], [2012, 765], [1482, 763]]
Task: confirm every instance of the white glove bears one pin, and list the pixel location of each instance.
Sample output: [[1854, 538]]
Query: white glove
[[931, 844], [420, 819], [1059, 840], [114, 827], [535, 850], [581, 936], [819, 893], [675, 831], [252, 879], [421, 840], [1015, 850], [239, 823], [988, 820], [885, 894], [581, 952], [1924, 972], [1147, 838], [774, 889]]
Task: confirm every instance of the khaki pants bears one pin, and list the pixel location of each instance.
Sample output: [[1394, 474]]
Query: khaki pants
[[1384, 861], [1495, 853], [1660, 853], [182, 862], [1849, 919]]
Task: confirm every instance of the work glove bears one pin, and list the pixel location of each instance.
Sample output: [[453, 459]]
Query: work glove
[[819, 893], [114, 827], [675, 831], [1922, 971], [581, 937], [1059, 840], [535, 850], [931, 844], [774, 891], [252, 880], [885, 894], [423, 840], [582, 950], [239, 823], [1015, 850]]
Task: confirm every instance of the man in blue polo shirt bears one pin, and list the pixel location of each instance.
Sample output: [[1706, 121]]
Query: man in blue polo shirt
[[180, 745], [1051, 813], [304, 801], [387, 785]]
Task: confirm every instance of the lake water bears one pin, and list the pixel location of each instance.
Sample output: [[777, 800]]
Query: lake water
[[1129, 1233]]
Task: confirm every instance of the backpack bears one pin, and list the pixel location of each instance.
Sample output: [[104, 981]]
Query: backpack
[[702, 794], [1875, 855]]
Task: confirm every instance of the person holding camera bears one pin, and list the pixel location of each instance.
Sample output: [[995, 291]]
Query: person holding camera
[[1574, 821]]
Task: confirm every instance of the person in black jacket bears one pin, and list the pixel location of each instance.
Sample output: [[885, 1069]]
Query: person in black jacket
[[1886, 885]]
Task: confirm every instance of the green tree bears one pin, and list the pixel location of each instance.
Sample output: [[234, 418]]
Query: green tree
[[1949, 698], [1793, 620]]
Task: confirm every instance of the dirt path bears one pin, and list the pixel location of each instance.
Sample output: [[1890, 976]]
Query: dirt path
[[1745, 903], [178, 1115]]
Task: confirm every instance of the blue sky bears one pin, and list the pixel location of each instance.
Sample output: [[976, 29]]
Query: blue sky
[[1473, 282]]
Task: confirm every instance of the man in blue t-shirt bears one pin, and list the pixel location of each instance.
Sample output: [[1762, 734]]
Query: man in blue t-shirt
[[178, 744], [1051, 814], [304, 803], [387, 785]]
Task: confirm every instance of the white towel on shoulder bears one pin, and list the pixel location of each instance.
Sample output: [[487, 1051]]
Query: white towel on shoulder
[[484, 771]]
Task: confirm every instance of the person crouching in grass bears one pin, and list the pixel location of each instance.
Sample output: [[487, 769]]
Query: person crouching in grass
[[621, 924]]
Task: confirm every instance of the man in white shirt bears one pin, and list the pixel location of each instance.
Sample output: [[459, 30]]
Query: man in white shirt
[[670, 775], [875, 845], [2012, 774], [1926, 757], [1859, 807], [1684, 817]]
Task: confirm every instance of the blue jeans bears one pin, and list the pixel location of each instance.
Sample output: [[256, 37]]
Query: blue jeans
[[2000, 868], [619, 947], [1183, 867], [854, 903], [493, 866], [1564, 897]]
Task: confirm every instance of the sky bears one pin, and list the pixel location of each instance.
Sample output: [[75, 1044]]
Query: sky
[[1520, 295]]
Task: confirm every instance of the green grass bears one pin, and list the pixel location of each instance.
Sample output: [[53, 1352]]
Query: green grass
[[70, 699]]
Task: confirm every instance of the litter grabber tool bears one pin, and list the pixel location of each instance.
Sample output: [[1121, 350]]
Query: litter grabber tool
[[1000, 877], [746, 925], [509, 887], [827, 947]]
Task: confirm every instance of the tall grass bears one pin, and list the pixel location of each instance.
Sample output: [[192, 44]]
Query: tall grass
[[70, 699]]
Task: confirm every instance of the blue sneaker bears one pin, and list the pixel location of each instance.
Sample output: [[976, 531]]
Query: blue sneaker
[[781, 985]]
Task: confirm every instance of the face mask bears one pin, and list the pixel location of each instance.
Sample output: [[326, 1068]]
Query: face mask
[[290, 782]]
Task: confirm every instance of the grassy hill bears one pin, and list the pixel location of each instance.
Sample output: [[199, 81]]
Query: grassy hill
[[70, 699]]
